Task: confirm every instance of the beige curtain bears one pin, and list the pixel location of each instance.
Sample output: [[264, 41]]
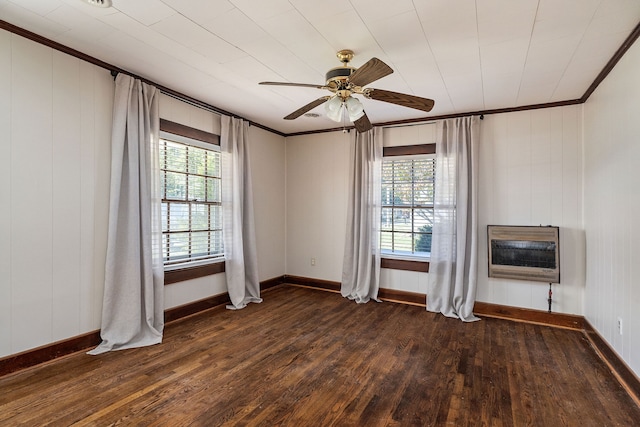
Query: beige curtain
[[454, 251], [361, 264], [241, 259], [133, 304]]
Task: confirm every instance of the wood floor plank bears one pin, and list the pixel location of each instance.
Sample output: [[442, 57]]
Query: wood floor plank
[[308, 357]]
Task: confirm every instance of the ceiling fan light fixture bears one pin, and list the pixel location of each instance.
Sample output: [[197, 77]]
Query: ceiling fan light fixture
[[354, 108], [333, 108]]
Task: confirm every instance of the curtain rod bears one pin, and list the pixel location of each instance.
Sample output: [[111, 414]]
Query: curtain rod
[[424, 122], [191, 101], [179, 97]]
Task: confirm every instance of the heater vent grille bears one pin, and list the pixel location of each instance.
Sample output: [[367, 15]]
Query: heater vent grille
[[524, 253]]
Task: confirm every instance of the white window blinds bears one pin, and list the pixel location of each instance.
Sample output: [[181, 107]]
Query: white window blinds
[[191, 203], [407, 205]]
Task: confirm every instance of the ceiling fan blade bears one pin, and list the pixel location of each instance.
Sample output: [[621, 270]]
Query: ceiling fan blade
[[371, 71], [424, 104], [310, 106], [292, 84], [363, 124]]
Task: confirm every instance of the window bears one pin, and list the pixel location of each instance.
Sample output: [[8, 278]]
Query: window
[[407, 205], [191, 201]]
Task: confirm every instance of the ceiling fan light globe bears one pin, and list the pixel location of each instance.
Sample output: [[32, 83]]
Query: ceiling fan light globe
[[333, 104], [354, 117], [355, 108], [335, 115], [333, 108]]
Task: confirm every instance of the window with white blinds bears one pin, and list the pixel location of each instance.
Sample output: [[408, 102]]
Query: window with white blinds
[[407, 205], [191, 202]]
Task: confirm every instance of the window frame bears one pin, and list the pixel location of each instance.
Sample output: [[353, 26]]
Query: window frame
[[393, 262], [176, 273]]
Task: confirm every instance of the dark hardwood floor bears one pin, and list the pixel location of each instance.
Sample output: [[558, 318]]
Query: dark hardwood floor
[[311, 358]]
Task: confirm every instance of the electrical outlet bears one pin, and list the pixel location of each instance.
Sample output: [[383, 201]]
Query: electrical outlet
[[620, 325], [313, 261]]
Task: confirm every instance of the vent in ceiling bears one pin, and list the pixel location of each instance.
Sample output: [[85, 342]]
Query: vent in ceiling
[[99, 3]]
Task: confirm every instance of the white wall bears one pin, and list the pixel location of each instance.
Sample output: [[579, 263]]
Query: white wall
[[316, 192], [612, 205], [530, 174], [55, 125], [55, 140], [268, 176]]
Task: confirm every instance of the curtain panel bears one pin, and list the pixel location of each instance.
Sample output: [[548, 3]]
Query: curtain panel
[[241, 259], [361, 264], [454, 253], [133, 304]]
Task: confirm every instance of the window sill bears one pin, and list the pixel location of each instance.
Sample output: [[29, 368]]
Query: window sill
[[187, 273], [404, 264]]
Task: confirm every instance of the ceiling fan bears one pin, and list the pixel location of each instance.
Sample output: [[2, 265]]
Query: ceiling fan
[[345, 81]]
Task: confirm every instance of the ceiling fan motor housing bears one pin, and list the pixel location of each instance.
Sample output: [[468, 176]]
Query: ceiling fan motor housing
[[339, 75]]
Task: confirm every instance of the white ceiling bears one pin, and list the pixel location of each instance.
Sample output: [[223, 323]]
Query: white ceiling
[[466, 55]]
